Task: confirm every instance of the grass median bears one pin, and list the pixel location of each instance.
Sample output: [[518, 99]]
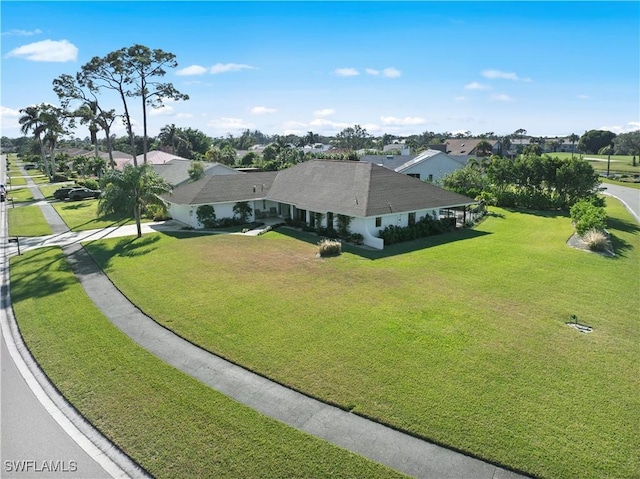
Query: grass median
[[173, 425], [27, 221], [460, 338]]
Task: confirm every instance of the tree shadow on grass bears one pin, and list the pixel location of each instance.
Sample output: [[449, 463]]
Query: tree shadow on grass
[[126, 247], [391, 250], [43, 278], [621, 246]]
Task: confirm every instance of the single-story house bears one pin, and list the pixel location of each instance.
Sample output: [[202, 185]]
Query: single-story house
[[373, 197], [430, 165], [465, 148], [176, 171]]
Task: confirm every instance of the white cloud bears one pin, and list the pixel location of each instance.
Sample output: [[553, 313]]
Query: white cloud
[[162, 111], [321, 122], [502, 97], [229, 67], [476, 86], [407, 120], [23, 33], [346, 72], [497, 74], [227, 124], [6, 112], [391, 72], [192, 70], [324, 112], [583, 97], [262, 110], [47, 51], [386, 72], [617, 129]]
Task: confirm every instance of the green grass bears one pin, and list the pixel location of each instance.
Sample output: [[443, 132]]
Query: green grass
[[27, 221], [16, 181], [173, 425], [82, 215], [619, 163], [459, 338], [628, 184], [21, 195]]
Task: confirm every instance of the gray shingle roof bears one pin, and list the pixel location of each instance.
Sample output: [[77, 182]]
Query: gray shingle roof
[[176, 171], [356, 188], [223, 188], [350, 188]]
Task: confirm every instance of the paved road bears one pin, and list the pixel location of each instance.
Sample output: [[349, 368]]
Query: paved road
[[629, 196], [37, 439]]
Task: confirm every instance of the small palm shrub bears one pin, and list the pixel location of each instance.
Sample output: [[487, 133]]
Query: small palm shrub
[[329, 247], [596, 240]]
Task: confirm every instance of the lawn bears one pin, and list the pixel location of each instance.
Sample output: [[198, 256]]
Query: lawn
[[170, 423], [27, 221], [83, 215], [21, 195], [16, 181], [619, 163], [459, 338], [628, 184]]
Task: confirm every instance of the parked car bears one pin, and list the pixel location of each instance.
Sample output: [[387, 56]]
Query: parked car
[[63, 193], [83, 193], [3, 192]]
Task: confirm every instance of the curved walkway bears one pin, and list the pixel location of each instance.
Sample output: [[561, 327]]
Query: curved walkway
[[379, 443]]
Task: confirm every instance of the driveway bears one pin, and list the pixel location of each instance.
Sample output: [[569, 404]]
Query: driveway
[[629, 196]]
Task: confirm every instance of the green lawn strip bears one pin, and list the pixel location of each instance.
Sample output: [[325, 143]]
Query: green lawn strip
[[27, 221], [16, 181], [37, 177], [628, 184], [21, 195], [48, 190], [171, 424], [83, 215], [463, 342]]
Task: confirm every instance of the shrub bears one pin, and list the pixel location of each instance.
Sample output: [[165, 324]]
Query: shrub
[[588, 216], [58, 177], [356, 238], [328, 247], [91, 184], [155, 212], [596, 240], [206, 215]]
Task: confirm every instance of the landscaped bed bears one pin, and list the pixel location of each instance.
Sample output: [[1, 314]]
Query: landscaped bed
[[462, 340], [173, 425]]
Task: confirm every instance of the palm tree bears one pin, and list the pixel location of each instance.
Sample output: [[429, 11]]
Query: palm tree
[[483, 148], [31, 121], [573, 138], [131, 191]]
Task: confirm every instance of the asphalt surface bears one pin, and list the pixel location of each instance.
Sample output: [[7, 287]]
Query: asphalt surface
[[630, 197]]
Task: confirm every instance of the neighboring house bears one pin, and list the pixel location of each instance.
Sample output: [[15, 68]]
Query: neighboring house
[[176, 171], [399, 147], [373, 196], [465, 148], [430, 165], [154, 157]]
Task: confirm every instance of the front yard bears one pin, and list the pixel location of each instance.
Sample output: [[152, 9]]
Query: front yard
[[463, 342]]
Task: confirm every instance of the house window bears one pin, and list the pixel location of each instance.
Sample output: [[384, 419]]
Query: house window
[[378, 221], [414, 175], [412, 219], [264, 205], [430, 178], [329, 220]]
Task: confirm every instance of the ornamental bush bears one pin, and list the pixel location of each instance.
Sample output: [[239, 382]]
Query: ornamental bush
[[588, 216], [328, 247]]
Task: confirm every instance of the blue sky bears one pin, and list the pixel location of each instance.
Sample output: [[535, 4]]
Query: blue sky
[[552, 68]]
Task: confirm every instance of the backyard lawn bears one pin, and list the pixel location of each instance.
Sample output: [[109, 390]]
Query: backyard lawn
[[170, 423], [459, 338]]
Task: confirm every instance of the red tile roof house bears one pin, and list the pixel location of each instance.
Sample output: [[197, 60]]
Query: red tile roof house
[[373, 196]]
